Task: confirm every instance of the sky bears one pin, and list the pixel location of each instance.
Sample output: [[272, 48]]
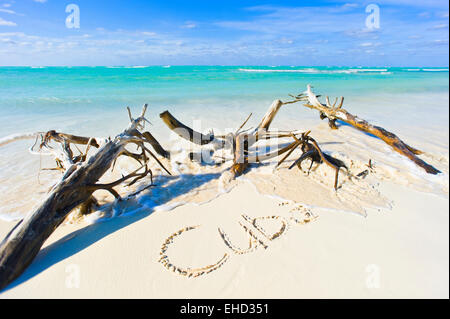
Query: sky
[[227, 32]]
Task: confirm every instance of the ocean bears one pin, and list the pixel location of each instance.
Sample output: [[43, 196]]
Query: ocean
[[91, 101]]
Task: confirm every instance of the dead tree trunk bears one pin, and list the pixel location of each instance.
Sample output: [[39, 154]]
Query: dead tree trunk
[[243, 140], [333, 113], [76, 188]]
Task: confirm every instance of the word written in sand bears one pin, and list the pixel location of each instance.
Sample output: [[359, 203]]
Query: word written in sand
[[258, 238]]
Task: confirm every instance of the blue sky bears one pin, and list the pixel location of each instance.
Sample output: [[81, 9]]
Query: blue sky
[[145, 32]]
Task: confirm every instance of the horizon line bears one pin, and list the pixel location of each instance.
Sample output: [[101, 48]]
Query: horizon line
[[231, 65]]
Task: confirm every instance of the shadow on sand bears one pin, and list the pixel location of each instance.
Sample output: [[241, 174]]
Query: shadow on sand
[[78, 240], [342, 123]]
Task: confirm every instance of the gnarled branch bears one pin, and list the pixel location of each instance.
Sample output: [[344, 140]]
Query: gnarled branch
[[334, 113], [75, 189]]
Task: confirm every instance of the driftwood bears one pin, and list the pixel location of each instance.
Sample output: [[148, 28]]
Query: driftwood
[[311, 150], [75, 189], [243, 140], [334, 112], [240, 141], [185, 131]]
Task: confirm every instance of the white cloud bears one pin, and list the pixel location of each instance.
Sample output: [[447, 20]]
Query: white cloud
[[7, 11], [350, 5], [369, 44], [148, 34], [12, 34], [189, 25], [6, 23], [286, 41], [440, 26], [297, 20], [425, 15], [440, 42], [40, 1]]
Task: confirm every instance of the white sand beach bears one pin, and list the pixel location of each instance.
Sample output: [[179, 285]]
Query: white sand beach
[[398, 253]]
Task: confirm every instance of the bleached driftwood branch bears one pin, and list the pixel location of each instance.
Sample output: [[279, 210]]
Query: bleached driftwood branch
[[335, 112], [75, 189], [188, 133]]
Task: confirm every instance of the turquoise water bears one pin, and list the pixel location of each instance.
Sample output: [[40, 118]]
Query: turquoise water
[[89, 98], [91, 101]]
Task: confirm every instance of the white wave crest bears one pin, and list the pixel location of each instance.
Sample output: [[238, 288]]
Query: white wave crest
[[16, 137], [317, 71], [435, 70]]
